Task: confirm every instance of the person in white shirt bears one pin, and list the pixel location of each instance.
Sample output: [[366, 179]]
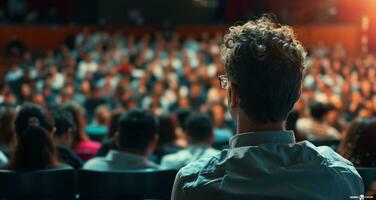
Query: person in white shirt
[[315, 127], [58, 79], [199, 128], [264, 65], [3, 159], [136, 139], [87, 66]]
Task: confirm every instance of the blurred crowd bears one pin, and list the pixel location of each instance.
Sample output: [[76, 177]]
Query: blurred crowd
[[103, 72], [338, 87], [164, 72], [98, 75]]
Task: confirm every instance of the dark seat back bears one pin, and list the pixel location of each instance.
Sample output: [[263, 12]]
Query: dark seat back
[[155, 184], [368, 175], [43, 184]]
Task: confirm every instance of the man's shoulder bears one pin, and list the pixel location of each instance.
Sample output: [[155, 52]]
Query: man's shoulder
[[331, 162], [203, 165], [174, 160], [97, 163], [180, 155]]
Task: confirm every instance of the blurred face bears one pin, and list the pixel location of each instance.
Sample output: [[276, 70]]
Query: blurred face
[[85, 87], [356, 97], [158, 88], [25, 89], [366, 87], [184, 103], [53, 70], [10, 99], [39, 99], [218, 114], [331, 117], [69, 90], [88, 57], [195, 90]]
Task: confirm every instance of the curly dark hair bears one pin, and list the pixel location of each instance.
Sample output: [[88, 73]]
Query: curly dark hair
[[265, 62]]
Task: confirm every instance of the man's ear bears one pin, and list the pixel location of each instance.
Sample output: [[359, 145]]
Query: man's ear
[[234, 97]]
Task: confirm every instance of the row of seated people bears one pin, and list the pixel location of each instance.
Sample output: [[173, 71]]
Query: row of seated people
[[133, 143], [355, 146]]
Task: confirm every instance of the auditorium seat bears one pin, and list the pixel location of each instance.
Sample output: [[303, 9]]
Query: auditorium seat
[[53, 184], [140, 184], [368, 175]]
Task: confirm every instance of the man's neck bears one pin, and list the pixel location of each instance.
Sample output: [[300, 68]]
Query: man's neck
[[244, 125], [135, 152]]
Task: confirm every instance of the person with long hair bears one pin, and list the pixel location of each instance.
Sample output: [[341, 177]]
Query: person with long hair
[[7, 133], [358, 144], [35, 149], [81, 144]]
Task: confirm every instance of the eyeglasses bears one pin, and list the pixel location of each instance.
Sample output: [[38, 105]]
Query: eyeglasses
[[224, 82]]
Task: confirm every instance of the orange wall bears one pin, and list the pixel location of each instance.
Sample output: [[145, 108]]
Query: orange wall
[[348, 35], [45, 37]]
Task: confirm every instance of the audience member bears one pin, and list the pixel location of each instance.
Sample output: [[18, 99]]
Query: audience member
[[3, 159], [81, 143], [35, 149], [8, 138], [109, 142], [181, 116], [136, 139], [63, 138], [263, 74], [99, 126], [199, 128], [316, 126], [358, 144], [167, 138]]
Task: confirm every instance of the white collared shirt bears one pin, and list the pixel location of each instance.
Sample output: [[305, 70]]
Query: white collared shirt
[[183, 157], [116, 160], [269, 165]]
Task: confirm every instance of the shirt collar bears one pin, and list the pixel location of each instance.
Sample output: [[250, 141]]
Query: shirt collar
[[130, 157], [262, 137]]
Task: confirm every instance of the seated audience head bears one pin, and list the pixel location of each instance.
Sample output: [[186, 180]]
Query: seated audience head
[[35, 149], [263, 73], [79, 120], [318, 110], [114, 122], [199, 128], [64, 124], [102, 115], [182, 115], [33, 111], [7, 131], [358, 144], [137, 132], [166, 130]]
